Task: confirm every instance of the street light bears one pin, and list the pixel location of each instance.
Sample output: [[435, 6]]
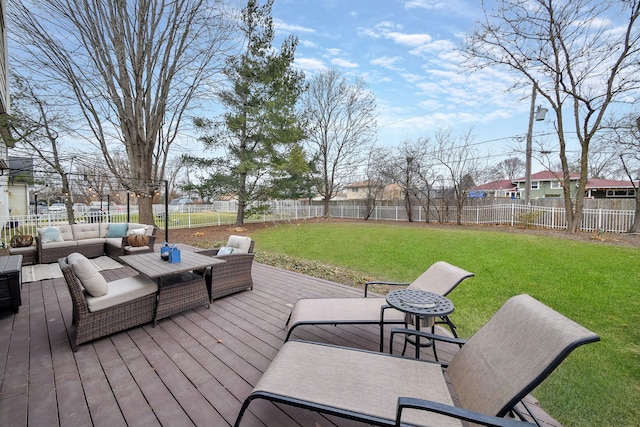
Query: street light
[[537, 114]]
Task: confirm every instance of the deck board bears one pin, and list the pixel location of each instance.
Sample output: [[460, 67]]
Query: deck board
[[193, 368]]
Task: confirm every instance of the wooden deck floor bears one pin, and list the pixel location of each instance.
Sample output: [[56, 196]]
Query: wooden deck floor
[[194, 368]]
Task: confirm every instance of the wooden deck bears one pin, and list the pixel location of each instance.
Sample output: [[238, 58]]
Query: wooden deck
[[194, 368]]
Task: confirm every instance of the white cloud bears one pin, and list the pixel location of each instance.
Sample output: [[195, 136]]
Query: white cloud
[[390, 30], [435, 47], [345, 63], [412, 77], [280, 25], [334, 51], [386, 61], [409, 39], [425, 4], [310, 64], [308, 43]]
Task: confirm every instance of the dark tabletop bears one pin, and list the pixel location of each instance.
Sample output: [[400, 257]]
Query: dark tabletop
[[419, 303]]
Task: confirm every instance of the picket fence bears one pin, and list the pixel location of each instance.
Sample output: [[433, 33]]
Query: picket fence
[[223, 213]]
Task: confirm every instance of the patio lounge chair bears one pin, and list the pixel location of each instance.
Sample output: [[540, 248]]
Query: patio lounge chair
[[496, 368], [440, 278]]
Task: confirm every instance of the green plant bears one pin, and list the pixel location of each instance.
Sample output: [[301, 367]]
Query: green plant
[[528, 219], [591, 283]]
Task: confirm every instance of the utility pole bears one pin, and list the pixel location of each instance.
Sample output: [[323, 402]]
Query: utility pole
[[539, 116]]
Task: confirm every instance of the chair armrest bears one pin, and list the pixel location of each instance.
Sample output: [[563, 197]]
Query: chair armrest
[[424, 334], [366, 285], [209, 252], [455, 412]]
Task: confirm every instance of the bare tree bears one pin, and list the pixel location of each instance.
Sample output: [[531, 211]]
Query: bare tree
[[627, 133], [410, 169], [511, 169], [132, 69], [581, 56], [460, 163], [37, 128], [341, 122], [374, 178]]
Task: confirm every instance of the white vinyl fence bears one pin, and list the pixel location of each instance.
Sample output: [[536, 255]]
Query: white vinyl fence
[[223, 213]]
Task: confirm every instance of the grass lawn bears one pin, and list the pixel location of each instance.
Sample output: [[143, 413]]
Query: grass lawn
[[594, 284]]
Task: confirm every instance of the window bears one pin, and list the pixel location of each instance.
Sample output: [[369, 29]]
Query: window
[[555, 185], [535, 185], [621, 193]]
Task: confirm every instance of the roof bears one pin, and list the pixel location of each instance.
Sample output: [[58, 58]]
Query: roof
[[503, 184], [547, 176], [359, 184], [593, 183]]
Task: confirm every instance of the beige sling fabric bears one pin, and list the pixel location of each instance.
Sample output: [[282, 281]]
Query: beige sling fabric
[[440, 278], [517, 347], [357, 381]]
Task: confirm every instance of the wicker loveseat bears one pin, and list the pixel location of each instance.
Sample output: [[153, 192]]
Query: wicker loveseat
[[92, 240], [233, 275], [127, 302]]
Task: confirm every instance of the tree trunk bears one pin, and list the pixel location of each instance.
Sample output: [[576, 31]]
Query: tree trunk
[[635, 227], [242, 199], [145, 210]]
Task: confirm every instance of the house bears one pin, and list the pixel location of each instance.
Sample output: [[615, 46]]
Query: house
[[548, 184], [608, 188], [364, 189], [5, 140], [503, 188]]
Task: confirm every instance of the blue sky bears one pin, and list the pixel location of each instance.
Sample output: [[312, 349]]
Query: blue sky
[[406, 52]]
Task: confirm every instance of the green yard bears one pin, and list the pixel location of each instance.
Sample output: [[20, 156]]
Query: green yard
[[596, 285]]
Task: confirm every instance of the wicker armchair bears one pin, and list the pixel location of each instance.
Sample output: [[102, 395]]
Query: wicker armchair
[[231, 276], [92, 325]]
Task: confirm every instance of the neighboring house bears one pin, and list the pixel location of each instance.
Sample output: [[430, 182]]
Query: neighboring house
[[361, 190], [496, 189], [358, 190], [20, 180], [608, 188], [5, 140], [548, 184]]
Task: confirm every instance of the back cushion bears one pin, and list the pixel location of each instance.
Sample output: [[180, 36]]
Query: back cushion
[[148, 229], [85, 231], [66, 232], [88, 274], [240, 244]]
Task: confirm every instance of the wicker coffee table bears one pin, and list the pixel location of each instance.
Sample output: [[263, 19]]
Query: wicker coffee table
[[179, 288]]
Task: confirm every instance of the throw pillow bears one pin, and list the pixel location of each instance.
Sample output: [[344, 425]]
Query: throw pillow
[[51, 234], [137, 231], [89, 275], [137, 240], [117, 230], [225, 250]]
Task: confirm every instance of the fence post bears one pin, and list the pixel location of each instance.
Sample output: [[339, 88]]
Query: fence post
[[513, 214], [599, 219]]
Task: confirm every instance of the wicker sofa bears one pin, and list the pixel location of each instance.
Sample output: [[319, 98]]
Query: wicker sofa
[[128, 302], [233, 275], [92, 240]]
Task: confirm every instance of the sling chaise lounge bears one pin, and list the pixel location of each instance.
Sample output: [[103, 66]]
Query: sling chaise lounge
[[441, 278], [502, 363]]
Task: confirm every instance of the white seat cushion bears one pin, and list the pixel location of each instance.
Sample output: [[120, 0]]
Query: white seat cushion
[[123, 290]]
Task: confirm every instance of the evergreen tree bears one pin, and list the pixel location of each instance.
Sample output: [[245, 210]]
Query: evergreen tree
[[260, 129]]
